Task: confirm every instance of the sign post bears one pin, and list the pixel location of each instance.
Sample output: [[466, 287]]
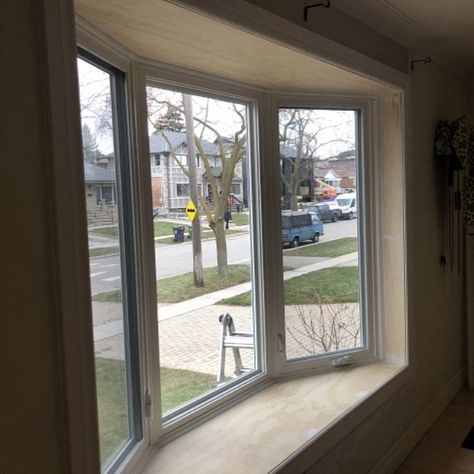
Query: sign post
[[191, 209]]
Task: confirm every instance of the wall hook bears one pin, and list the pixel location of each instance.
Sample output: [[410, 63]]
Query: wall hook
[[426, 60], [325, 5]]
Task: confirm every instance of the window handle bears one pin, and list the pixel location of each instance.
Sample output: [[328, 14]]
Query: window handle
[[148, 404], [281, 343]]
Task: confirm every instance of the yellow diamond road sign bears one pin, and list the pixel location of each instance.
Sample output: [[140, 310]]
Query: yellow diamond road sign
[[191, 210]]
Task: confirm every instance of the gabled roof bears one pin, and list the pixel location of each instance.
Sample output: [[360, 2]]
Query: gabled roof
[[177, 139], [97, 174], [341, 168], [216, 172], [331, 175]]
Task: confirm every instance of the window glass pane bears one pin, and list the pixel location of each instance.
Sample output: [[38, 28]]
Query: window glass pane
[[320, 237], [105, 257], [202, 244]]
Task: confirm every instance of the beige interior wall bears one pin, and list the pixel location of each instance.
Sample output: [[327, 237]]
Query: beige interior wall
[[435, 295], [341, 28], [34, 418], [31, 408], [471, 102]]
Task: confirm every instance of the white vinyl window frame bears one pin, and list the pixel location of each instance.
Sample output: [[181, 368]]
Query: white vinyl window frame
[[263, 123], [167, 426], [133, 451], [368, 232]]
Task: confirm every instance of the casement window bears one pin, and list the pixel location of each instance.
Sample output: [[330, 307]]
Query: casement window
[[185, 324], [112, 271], [190, 330], [326, 321]]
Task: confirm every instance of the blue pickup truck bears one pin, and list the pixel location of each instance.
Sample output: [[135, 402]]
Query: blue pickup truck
[[297, 227]]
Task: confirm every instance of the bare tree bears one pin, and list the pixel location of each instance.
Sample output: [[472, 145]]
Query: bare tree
[[326, 327], [90, 149], [219, 166], [302, 132], [96, 102]]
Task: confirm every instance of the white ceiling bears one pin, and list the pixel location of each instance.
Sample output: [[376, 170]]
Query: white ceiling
[[442, 29], [161, 31]]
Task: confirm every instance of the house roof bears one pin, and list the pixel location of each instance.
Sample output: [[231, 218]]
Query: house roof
[[97, 174], [158, 144], [341, 168], [216, 172]]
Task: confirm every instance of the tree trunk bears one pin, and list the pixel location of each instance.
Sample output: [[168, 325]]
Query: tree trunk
[[193, 191], [295, 181], [221, 248], [294, 202]]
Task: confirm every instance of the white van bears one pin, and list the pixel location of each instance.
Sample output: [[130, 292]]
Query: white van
[[347, 204]]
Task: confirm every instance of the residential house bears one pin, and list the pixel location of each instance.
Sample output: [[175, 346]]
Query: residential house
[[49, 412], [303, 168], [338, 171], [101, 191], [170, 184]]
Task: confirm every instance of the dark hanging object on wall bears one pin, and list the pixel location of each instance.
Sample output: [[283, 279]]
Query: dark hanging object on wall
[[454, 147], [444, 150], [326, 4], [426, 60]]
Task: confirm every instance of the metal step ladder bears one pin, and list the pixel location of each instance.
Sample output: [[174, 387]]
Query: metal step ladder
[[235, 341]]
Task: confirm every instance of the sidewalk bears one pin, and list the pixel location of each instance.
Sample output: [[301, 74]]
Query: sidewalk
[[190, 330], [177, 309]]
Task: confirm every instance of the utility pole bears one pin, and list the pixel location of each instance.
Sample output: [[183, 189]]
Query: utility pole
[[193, 191]]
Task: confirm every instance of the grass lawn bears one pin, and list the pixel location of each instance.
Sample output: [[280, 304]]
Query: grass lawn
[[177, 387], [101, 251], [334, 285], [164, 228], [333, 248], [160, 228], [240, 219], [112, 405], [205, 235], [109, 231], [181, 287]]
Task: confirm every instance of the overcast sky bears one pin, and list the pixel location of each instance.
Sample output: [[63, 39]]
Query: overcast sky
[[95, 93]]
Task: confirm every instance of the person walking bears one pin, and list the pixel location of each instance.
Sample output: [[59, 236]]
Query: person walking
[[227, 217]]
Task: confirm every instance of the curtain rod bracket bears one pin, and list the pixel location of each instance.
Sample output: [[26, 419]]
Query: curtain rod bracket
[[426, 60], [325, 5]]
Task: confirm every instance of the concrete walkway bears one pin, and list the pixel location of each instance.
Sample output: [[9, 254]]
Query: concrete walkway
[[190, 330]]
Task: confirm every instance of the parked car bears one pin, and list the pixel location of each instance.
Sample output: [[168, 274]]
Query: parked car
[[334, 206], [348, 205], [297, 227], [348, 190], [324, 212]]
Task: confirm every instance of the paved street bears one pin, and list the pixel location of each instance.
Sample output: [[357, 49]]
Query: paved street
[[173, 259], [190, 330]]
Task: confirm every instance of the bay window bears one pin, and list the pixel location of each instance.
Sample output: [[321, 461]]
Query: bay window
[[266, 261]]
